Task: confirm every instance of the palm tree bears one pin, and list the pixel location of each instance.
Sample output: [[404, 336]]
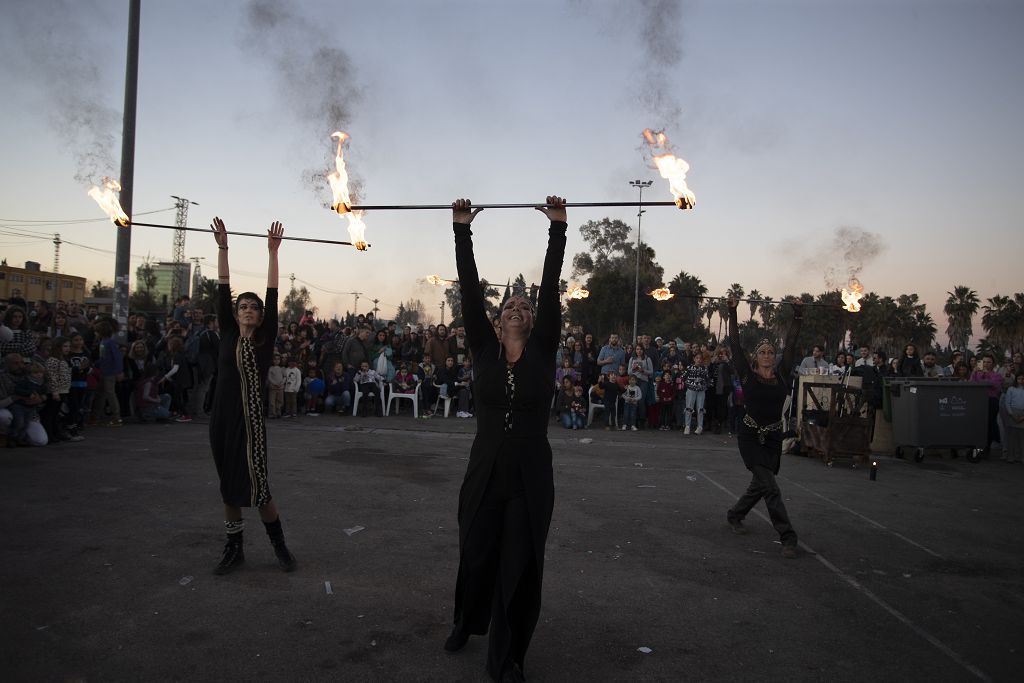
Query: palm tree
[[755, 303], [961, 306], [1001, 320], [684, 286]]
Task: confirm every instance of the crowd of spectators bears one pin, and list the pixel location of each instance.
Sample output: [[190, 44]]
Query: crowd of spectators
[[64, 369]]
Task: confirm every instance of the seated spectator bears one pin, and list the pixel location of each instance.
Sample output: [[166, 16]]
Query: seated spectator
[[338, 397], [313, 386], [29, 396], [405, 382], [814, 364], [563, 403], [369, 382], [579, 408], [464, 387], [150, 404], [428, 389]]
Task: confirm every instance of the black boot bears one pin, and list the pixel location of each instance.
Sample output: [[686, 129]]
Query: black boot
[[233, 556], [284, 556], [457, 640]]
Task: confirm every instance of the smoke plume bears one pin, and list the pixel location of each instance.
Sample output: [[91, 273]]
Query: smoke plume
[[44, 43], [851, 249], [314, 76]]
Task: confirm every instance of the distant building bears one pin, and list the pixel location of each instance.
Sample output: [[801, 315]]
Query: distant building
[[32, 283], [163, 271]]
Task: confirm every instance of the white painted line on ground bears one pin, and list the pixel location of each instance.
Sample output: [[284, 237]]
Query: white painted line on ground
[[866, 519], [327, 587], [935, 642]]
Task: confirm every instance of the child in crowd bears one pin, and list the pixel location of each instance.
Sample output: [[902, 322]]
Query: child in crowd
[[338, 398], [563, 403], [275, 387], [566, 371], [630, 402], [368, 381], [404, 381], [679, 404], [445, 378], [426, 374], [78, 359], [666, 391], [610, 386], [579, 408], [29, 395], [464, 387], [149, 402], [313, 386], [292, 384]]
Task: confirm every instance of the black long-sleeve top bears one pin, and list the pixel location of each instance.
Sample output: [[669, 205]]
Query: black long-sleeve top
[[763, 399]]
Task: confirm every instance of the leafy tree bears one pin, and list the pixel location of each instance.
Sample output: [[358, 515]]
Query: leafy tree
[[142, 298], [205, 295], [295, 304], [519, 286], [102, 290], [1002, 321], [453, 301], [411, 312]]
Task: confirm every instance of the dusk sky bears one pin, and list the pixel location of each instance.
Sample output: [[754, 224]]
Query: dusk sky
[[902, 119]]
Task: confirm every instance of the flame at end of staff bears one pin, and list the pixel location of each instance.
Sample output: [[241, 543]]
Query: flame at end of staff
[[435, 280], [852, 296], [662, 294], [577, 292], [671, 167], [341, 201], [108, 201]]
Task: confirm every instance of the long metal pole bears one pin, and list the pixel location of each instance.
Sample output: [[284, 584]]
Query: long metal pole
[[127, 177], [239, 234], [417, 207]]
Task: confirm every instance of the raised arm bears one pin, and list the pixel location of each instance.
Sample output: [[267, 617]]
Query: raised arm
[[479, 332], [789, 353], [548, 324], [739, 356], [274, 235], [225, 314]]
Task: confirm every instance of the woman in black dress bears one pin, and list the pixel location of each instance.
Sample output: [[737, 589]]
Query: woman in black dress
[[238, 434], [759, 434], [508, 493]]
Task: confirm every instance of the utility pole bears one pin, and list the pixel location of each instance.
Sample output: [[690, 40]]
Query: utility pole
[[355, 307], [178, 254], [640, 185], [442, 312], [197, 275], [375, 309], [56, 252], [292, 278], [122, 261]]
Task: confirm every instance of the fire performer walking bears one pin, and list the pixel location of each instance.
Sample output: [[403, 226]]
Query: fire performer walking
[[508, 492], [759, 435], [238, 434]]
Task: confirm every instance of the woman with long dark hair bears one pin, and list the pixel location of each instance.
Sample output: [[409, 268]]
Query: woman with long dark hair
[[508, 493], [759, 433], [238, 434]]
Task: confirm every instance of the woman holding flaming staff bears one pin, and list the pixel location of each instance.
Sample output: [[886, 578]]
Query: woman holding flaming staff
[[508, 492], [759, 433], [238, 434]]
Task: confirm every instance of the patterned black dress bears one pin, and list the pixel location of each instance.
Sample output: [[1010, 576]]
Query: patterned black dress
[[238, 433], [508, 493]]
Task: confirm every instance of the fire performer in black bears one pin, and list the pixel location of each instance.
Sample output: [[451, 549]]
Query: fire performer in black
[[238, 433], [508, 492], [759, 435]]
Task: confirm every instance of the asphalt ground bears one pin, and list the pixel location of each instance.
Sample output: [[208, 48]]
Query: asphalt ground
[[108, 547]]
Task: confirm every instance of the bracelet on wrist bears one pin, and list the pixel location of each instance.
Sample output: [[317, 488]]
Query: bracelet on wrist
[[224, 247]]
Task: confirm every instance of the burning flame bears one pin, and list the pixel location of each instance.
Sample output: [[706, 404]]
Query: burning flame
[[662, 294], [435, 280], [671, 168], [852, 296], [108, 201], [577, 292], [338, 180]]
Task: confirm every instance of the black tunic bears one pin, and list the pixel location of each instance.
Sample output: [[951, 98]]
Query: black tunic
[[238, 434], [762, 399], [511, 443]]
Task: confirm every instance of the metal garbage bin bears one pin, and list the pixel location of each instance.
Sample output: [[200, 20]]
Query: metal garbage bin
[[938, 413]]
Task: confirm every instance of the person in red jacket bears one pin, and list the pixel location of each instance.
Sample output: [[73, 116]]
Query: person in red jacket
[[666, 390]]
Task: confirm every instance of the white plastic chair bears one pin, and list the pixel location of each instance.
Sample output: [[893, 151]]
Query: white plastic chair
[[414, 397], [358, 395], [595, 406]]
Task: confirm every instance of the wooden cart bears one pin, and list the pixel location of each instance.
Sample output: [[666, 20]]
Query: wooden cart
[[836, 423]]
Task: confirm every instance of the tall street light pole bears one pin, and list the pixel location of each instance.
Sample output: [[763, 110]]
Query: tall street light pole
[[639, 185], [124, 235]]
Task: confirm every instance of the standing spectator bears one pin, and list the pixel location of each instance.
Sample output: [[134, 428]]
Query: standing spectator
[[58, 385], [696, 386], [565, 371], [206, 367], [313, 387], [380, 356], [987, 374], [356, 350], [1013, 419], [666, 392], [22, 340], [909, 365], [929, 368], [437, 346], [679, 404], [814, 364], [75, 317], [177, 377], [412, 349], [721, 376], [589, 368], [135, 364], [611, 356], [43, 318], [275, 387], [80, 363], [457, 345], [641, 367], [865, 358], [632, 399], [292, 384], [110, 364]]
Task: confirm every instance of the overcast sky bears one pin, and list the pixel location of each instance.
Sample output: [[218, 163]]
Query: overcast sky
[[902, 119]]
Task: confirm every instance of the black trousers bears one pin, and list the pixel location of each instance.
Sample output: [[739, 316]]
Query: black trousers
[[499, 584], [763, 485]]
